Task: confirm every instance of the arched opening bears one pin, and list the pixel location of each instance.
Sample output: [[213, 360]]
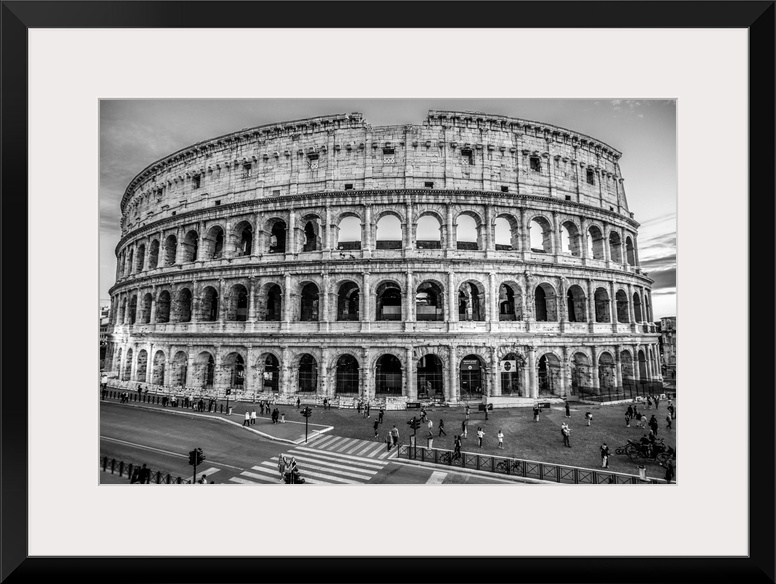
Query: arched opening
[[430, 378], [467, 232], [511, 375], [389, 234], [277, 237], [347, 301], [570, 240], [607, 380], [549, 375], [622, 306], [581, 378], [204, 370], [429, 233], [637, 307], [311, 239], [388, 301], [309, 303], [630, 251], [308, 374], [274, 303], [509, 302], [244, 239], [127, 374], [595, 243], [145, 309], [628, 375], [577, 304], [141, 252], [153, 255], [133, 309], [170, 250], [347, 375], [602, 305], [615, 247], [505, 233], [208, 311], [270, 373], [429, 303], [214, 243], [238, 303], [157, 374], [190, 247], [163, 307], [349, 233], [545, 303], [235, 367], [472, 377], [180, 366], [471, 302], [540, 232], [142, 365], [388, 376]]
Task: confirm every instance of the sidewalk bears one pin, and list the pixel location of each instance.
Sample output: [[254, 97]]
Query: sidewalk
[[292, 431]]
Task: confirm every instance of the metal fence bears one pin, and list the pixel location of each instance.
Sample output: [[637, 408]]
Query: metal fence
[[558, 473], [121, 468]]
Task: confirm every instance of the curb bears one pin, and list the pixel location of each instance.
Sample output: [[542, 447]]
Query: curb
[[505, 478]]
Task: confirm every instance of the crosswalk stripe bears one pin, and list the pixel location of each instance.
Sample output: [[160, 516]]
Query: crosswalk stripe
[[242, 481], [361, 453], [330, 477], [376, 449], [365, 463], [207, 472], [346, 456], [344, 445], [336, 443], [436, 478], [253, 475], [356, 447], [388, 453], [333, 468], [333, 464], [325, 441]]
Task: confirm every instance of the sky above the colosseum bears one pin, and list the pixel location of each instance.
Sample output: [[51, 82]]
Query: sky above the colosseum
[[135, 133]]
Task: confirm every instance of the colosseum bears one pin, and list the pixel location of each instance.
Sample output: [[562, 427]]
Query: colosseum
[[470, 257]]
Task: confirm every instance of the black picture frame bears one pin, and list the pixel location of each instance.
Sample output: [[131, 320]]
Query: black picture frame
[[757, 17]]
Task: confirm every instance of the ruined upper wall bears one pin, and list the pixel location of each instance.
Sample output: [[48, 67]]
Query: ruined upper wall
[[450, 150]]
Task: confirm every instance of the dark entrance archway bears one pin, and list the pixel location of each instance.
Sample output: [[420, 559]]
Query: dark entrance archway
[[430, 378], [472, 377]]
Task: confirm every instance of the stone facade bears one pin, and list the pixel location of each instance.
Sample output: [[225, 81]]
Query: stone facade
[[510, 265]]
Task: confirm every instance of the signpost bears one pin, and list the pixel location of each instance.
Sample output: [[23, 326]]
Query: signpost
[[414, 423], [228, 391], [306, 412]]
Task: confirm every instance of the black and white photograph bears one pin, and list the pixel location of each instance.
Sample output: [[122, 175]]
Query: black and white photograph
[[388, 291]]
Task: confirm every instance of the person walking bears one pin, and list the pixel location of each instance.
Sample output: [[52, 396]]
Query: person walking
[[588, 417], [135, 478], [457, 448], [671, 409], [467, 410], [657, 402], [423, 414], [253, 417], [568, 409], [486, 411], [670, 470], [247, 421], [629, 412], [376, 425], [653, 424], [500, 437], [389, 440], [442, 427], [145, 475], [275, 415], [604, 455], [566, 433], [668, 419], [649, 402], [464, 432], [430, 428], [627, 420], [380, 415], [368, 409], [536, 413], [298, 403], [480, 435], [395, 435], [261, 407]]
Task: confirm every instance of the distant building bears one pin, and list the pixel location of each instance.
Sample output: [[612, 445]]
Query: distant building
[[667, 346], [104, 323]]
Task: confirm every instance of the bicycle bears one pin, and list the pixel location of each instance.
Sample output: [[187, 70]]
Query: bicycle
[[510, 467]]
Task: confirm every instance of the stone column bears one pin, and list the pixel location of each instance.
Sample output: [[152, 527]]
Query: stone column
[[452, 392], [533, 373], [285, 372], [366, 232], [179, 247], [291, 233], [252, 299], [525, 232], [631, 308], [325, 381], [412, 391], [583, 239], [368, 377], [596, 384], [409, 314], [557, 249], [409, 227], [256, 235], [636, 364], [613, 304], [287, 298], [452, 296], [190, 367], [636, 251], [152, 317], [451, 235], [617, 367], [490, 243], [219, 375], [607, 249], [325, 285], [221, 302], [147, 256], [168, 366], [495, 377], [564, 372], [591, 319], [493, 304], [327, 231], [366, 315]]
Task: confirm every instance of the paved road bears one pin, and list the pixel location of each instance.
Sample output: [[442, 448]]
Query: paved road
[[234, 455]]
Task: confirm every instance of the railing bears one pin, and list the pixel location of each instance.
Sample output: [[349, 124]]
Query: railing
[[121, 468], [543, 471]]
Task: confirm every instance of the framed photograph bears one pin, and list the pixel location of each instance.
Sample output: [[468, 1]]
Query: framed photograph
[[473, 215]]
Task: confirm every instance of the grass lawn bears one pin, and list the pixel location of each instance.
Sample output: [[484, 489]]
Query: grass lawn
[[523, 438]]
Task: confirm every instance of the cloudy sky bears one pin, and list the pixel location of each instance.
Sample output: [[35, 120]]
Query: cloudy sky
[[135, 133]]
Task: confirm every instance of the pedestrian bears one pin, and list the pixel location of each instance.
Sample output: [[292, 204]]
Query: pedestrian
[[377, 424], [395, 435], [566, 433], [464, 430], [139, 392], [604, 455], [500, 436], [368, 409], [275, 414], [668, 419], [653, 424], [261, 407], [629, 413], [203, 480], [486, 411], [201, 405], [430, 428], [457, 448], [253, 417], [442, 427], [145, 475], [636, 412], [671, 409], [627, 420], [467, 411], [649, 402], [358, 406], [480, 435], [588, 417], [380, 415], [536, 413], [422, 414], [298, 402], [247, 421], [670, 471], [135, 478], [389, 440], [568, 409], [325, 403], [657, 402], [282, 464]]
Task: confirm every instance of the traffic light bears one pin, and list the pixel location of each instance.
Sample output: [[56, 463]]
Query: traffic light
[[199, 456], [307, 412], [414, 423], [228, 391], [193, 457]]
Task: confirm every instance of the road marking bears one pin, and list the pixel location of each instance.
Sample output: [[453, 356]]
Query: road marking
[[253, 475], [332, 468], [361, 453], [356, 447], [325, 441], [437, 478], [366, 463], [344, 445], [376, 448], [337, 442], [247, 482], [207, 472], [347, 456], [333, 464], [389, 452]]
